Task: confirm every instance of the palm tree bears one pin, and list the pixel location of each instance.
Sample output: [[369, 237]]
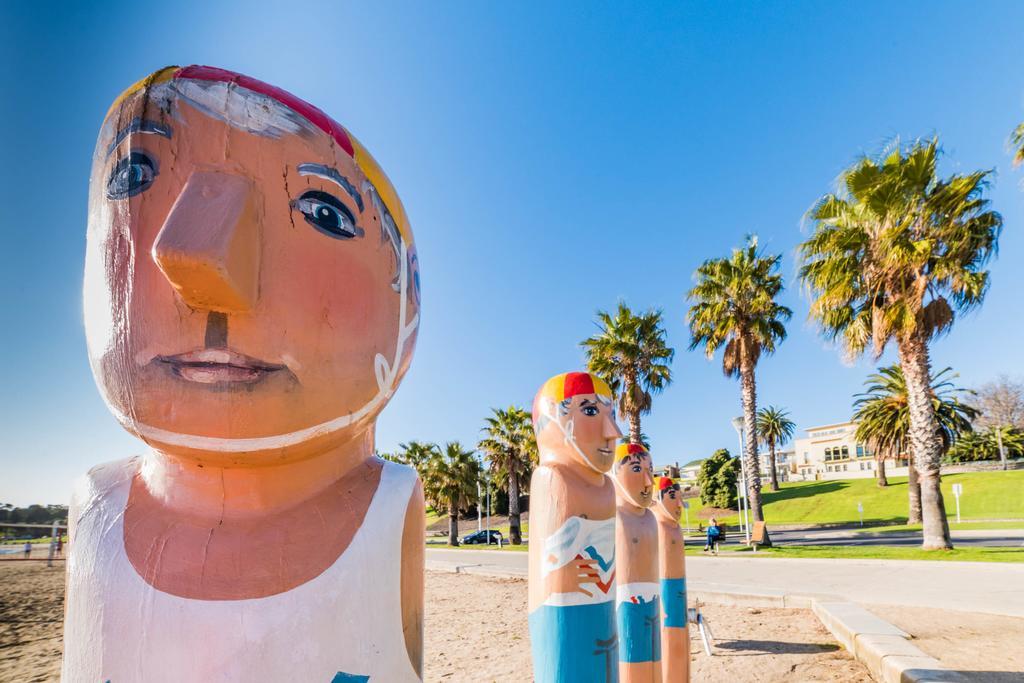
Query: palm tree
[[629, 352], [734, 306], [984, 445], [644, 441], [882, 414], [896, 252], [451, 478], [774, 428], [511, 450], [417, 455], [1017, 142]]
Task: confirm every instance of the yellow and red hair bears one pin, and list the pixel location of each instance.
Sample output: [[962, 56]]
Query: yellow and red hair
[[569, 384]]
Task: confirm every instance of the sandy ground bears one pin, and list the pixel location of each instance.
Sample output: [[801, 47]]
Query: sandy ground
[[31, 612], [476, 630], [983, 647]]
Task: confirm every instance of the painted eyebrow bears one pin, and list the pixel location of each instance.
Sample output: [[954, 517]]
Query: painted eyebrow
[[587, 402], [139, 125], [332, 174]]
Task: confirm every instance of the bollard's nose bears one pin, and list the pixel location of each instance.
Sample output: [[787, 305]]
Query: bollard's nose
[[209, 246], [611, 428]]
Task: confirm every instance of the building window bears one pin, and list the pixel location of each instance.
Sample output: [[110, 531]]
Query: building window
[[846, 452], [844, 468], [860, 451], [871, 465]]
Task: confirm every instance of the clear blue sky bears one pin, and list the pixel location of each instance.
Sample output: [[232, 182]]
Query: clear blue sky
[[552, 160]]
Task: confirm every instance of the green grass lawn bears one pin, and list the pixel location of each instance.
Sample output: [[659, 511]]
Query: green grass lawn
[[963, 526], [987, 495], [879, 553]]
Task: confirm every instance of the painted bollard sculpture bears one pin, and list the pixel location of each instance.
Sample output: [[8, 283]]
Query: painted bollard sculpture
[[675, 637], [251, 304], [572, 532], [638, 594]]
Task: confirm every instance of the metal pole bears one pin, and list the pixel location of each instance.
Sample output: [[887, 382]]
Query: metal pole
[[479, 510], [488, 485], [738, 424], [53, 544], [739, 501]]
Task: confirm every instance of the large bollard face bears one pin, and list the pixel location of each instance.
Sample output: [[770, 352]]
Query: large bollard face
[[574, 420], [251, 282]]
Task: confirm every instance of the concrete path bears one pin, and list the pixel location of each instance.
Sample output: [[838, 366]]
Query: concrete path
[[986, 587], [1013, 538]]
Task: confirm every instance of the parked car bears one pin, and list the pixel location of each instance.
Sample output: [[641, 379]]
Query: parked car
[[480, 538]]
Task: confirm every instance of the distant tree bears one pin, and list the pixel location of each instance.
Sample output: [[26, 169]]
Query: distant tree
[[511, 451], [896, 253], [451, 478], [774, 428], [717, 479], [631, 354], [984, 445], [734, 306], [1002, 407]]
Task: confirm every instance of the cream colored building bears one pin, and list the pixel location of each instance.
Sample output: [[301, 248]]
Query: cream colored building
[[832, 452], [783, 458]]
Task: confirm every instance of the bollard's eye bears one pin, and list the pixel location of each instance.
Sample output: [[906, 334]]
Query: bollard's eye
[[590, 411], [131, 175], [328, 214]]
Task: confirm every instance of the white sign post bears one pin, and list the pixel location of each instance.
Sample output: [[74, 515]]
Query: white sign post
[[958, 490], [860, 511], [686, 510]]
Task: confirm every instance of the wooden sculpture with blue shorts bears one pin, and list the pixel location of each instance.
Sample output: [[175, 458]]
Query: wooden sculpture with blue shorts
[[572, 532]]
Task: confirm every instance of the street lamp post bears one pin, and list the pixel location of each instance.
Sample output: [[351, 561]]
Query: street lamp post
[[479, 500], [737, 423]]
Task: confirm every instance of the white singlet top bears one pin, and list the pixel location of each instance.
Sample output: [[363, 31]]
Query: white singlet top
[[345, 625]]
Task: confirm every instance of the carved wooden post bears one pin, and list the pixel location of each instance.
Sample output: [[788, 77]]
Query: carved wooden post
[[638, 594], [675, 636], [572, 532], [251, 305]]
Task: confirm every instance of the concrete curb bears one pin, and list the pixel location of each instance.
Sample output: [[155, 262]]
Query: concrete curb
[[476, 569], [885, 650]]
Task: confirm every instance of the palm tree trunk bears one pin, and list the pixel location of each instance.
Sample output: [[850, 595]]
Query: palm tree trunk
[[925, 442], [771, 463], [882, 480], [749, 396], [453, 524], [913, 495], [515, 536], [634, 426]]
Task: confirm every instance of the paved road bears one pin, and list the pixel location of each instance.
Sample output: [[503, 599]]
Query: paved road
[[970, 538], [991, 588]]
